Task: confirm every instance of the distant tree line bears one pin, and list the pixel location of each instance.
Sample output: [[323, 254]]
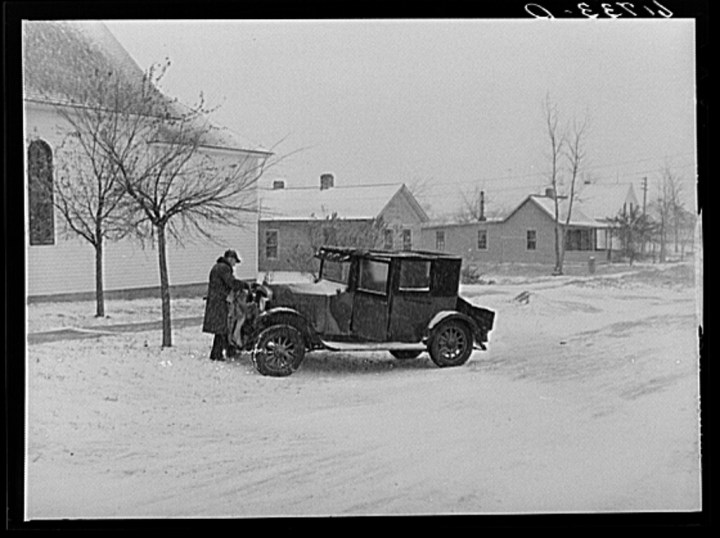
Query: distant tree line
[[647, 234]]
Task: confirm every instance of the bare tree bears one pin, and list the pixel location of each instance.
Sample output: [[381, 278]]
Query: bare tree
[[669, 208], [557, 139], [570, 144], [334, 231], [90, 198], [678, 214], [421, 188], [472, 208], [477, 205], [153, 146], [633, 228], [575, 153], [687, 221], [87, 190]]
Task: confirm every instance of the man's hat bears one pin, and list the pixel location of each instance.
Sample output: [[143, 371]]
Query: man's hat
[[232, 254]]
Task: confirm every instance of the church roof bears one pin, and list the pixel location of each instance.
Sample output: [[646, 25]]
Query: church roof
[[59, 55]]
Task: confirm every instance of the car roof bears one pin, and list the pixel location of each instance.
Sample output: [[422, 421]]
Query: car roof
[[345, 253]]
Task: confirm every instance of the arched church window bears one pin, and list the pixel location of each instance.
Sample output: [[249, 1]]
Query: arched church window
[[40, 193]]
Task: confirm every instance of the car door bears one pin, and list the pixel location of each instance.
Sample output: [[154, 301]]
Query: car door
[[370, 302], [339, 304], [413, 306]]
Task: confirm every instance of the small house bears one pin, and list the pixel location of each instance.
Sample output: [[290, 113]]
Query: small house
[[296, 221], [527, 233]]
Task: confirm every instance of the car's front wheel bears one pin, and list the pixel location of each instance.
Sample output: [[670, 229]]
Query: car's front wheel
[[451, 344], [279, 351]]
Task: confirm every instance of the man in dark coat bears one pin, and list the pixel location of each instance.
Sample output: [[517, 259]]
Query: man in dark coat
[[221, 283]]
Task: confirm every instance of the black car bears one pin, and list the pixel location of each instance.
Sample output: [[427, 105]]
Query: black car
[[405, 302]]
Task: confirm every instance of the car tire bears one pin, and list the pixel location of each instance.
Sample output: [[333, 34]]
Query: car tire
[[405, 353], [278, 351], [451, 344]]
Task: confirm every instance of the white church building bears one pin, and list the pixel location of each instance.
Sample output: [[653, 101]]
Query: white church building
[[58, 263]]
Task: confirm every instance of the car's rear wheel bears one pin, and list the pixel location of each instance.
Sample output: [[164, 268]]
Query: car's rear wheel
[[405, 353], [451, 344], [279, 351]]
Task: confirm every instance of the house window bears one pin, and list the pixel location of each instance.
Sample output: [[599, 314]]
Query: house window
[[40, 194], [407, 239], [388, 244], [373, 276], [440, 240], [482, 240], [578, 240], [531, 240], [271, 244], [414, 275]]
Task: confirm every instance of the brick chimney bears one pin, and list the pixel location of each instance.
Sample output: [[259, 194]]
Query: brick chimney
[[278, 184], [550, 192], [481, 216], [327, 181]]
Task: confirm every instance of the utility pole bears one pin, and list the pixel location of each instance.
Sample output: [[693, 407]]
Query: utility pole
[[644, 188]]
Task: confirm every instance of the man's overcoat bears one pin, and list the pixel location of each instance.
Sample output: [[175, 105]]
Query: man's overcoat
[[220, 284]]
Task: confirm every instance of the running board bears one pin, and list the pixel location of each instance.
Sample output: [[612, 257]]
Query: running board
[[373, 346]]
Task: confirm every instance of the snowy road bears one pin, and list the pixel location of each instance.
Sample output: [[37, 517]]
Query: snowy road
[[586, 401]]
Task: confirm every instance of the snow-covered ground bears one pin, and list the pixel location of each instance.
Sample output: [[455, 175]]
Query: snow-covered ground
[[587, 400]]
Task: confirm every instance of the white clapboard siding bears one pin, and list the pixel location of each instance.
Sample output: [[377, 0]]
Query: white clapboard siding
[[69, 265]]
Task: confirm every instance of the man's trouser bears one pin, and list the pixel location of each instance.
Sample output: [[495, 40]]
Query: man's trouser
[[220, 344]]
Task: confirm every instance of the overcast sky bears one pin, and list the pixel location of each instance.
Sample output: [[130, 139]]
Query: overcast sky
[[454, 102]]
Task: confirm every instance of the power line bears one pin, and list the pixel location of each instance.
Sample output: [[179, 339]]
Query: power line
[[346, 186], [608, 165], [604, 177], [640, 160], [481, 181]]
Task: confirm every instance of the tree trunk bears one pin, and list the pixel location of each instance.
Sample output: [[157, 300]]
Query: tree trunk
[[164, 288], [558, 256], [563, 239], [662, 239], [99, 287]]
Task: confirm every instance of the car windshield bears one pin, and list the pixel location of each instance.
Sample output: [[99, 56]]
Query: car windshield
[[335, 271]]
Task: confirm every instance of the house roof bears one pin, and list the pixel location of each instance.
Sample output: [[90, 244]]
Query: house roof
[[591, 206], [59, 54], [56, 54], [444, 224], [578, 215], [352, 202]]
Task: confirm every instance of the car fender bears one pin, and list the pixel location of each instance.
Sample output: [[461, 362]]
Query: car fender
[[283, 315], [445, 315]]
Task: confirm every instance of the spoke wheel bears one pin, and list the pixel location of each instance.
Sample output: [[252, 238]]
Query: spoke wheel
[[279, 351], [451, 345]]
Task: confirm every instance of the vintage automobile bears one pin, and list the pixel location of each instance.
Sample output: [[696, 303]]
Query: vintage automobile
[[403, 302]]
